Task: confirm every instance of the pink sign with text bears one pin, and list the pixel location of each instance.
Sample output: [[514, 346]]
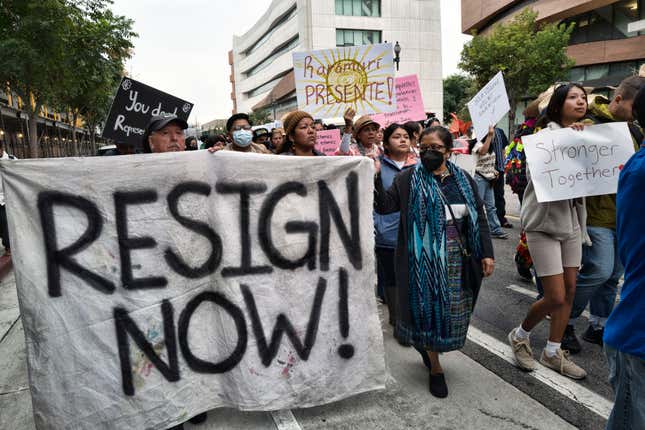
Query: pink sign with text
[[328, 141], [409, 103]]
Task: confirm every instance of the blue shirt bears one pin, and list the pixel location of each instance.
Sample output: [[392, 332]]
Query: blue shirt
[[625, 329], [386, 227]]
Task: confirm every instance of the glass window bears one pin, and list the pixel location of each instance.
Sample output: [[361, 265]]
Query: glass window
[[625, 11], [606, 23], [278, 24], [275, 54], [265, 87], [358, 7], [597, 71], [577, 74], [623, 69], [347, 37]]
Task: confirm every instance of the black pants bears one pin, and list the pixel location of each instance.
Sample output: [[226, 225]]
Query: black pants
[[386, 278], [500, 203], [4, 227]]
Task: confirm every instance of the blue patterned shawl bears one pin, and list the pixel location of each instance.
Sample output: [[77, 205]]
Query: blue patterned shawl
[[428, 283]]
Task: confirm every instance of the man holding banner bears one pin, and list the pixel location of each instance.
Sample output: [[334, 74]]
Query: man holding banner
[[239, 129], [166, 134]]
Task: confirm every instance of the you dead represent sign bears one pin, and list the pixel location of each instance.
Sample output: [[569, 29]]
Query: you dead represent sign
[[165, 285]]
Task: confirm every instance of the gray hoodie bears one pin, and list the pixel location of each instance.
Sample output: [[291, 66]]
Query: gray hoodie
[[557, 219]]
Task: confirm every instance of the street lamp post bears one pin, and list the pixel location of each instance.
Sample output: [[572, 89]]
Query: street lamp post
[[397, 54]]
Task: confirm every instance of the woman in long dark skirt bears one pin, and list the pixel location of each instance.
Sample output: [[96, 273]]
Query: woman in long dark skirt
[[433, 308]]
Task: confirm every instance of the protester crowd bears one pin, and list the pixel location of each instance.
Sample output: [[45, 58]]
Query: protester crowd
[[434, 223]]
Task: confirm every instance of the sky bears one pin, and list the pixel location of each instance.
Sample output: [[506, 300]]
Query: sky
[[183, 46]]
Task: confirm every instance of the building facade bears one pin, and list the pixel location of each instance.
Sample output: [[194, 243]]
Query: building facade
[[261, 59], [608, 41]]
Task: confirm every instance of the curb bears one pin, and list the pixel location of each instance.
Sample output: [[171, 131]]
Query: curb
[[5, 266]]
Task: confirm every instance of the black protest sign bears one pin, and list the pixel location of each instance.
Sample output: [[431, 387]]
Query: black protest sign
[[133, 106]]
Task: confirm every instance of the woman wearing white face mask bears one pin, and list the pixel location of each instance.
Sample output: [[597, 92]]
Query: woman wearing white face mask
[[240, 132]]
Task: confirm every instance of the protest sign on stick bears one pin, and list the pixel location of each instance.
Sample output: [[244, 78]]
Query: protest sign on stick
[[133, 106], [489, 105], [328, 141], [566, 163], [329, 81], [165, 285], [409, 103]]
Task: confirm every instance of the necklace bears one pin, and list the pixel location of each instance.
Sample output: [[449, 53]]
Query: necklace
[[443, 175]]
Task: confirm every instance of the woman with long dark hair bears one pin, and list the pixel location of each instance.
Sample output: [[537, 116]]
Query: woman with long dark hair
[[442, 219], [555, 232], [396, 159]]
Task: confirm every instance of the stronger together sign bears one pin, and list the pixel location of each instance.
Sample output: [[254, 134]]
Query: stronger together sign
[[566, 164], [155, 287]]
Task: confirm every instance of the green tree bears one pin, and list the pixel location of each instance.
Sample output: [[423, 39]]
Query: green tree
[[33, 38], [457, 90], [260, 117], [66, 54], [101, 42], [532, 56]]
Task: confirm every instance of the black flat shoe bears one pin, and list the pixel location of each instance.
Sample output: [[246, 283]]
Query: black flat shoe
[[570, 340], [438, 387], [594, 335], [424, 356]]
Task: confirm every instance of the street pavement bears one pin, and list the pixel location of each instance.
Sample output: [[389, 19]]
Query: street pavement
[[486, 390]]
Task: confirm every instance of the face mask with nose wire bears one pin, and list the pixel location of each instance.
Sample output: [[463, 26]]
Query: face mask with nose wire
[[431, 159], [242, 138]]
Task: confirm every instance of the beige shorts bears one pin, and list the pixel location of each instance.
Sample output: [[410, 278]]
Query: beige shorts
[[550, 256]]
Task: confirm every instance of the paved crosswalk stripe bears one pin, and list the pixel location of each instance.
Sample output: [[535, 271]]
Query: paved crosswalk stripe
[[284, 420], [562, 384], [533, 293]]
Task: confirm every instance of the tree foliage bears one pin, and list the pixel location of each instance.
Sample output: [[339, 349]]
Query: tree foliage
[[532, 56], [457, 90], [66, 54], [260, 117]]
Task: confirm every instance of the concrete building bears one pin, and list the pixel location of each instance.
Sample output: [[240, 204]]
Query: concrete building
[[261, 59], [608, 42]]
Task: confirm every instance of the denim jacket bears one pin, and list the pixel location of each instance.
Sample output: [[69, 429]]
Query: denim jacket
[[386, 227]]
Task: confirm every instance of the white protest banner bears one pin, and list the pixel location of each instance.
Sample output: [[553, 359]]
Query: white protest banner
[[409, 103], [565, 163], [329, 81], [328, 141], [489, 105], [156, 287]]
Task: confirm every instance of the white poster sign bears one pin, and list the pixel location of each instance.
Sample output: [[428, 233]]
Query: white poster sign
[[465, 161], [156, 287], [566, 163], [489, 105], [329, 81]]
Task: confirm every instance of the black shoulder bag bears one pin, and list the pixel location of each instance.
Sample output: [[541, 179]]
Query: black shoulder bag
[[471, 268]]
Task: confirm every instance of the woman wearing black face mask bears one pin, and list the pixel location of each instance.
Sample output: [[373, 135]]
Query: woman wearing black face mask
[[441, 215]]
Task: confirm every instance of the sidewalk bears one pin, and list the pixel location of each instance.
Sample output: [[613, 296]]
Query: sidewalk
[[478, 398]]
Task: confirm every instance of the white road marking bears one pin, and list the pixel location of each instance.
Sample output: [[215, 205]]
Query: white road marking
[[533, 294], [562, 384], [284, 420]]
